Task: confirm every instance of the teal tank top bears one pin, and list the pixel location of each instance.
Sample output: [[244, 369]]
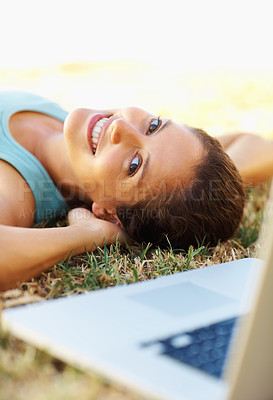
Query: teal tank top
[[49, 203]]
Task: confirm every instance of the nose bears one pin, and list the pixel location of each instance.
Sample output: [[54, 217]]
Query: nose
[[124, 132]]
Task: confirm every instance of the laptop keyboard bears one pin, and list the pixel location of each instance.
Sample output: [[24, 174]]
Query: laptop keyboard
[[204, 348]]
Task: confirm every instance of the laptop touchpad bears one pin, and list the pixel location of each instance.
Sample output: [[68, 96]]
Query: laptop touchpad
[[180, 299]]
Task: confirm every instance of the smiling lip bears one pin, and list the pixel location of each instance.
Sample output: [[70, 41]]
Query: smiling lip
[[91, 126]]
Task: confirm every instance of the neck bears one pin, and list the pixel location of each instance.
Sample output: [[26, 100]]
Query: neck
[[43, 136], [54, 157]]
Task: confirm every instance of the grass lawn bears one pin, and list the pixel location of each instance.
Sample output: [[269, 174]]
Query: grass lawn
[[26, 373]]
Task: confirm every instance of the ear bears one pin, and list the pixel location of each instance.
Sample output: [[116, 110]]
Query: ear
[[107, 215]]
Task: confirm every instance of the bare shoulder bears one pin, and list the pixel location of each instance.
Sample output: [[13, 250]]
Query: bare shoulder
[[17, 204], [229, 138], [233, 138]]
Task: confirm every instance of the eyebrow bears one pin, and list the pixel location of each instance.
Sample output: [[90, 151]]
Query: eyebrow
[[145, 168]]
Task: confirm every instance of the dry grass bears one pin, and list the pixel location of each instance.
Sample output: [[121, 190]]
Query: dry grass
[[116, 265], [216, 102], [28, 373]]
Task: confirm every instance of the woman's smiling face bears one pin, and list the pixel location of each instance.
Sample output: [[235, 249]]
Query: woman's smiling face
[[119, 155]]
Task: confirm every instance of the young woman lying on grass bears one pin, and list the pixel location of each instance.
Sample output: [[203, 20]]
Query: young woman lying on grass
[[131, 172]]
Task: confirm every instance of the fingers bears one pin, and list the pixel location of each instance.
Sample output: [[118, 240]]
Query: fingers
[[79, 215], [109, 231]]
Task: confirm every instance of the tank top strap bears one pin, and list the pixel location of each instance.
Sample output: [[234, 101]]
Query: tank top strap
[[49, 203]]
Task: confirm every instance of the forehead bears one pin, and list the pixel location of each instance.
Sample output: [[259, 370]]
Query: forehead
[[173, 155]]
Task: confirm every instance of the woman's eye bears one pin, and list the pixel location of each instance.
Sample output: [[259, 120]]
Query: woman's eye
[[134, 165], [154, 125]]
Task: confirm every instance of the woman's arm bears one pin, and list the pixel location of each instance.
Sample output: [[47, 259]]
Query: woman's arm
[[229, 138], [252, 155], [26, 252]]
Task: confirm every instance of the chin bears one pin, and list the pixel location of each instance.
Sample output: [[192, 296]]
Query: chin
[[75, 122]]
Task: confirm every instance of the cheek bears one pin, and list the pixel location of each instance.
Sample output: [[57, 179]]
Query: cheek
[[112, 187], [109, 167]]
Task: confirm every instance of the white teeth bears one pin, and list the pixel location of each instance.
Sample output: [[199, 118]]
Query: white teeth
[[103, 120], [97, 129], [96, 132]]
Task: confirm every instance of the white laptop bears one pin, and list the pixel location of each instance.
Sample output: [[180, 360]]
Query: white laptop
[[196, 335]]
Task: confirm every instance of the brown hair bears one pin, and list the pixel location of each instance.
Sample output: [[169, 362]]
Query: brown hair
[[208, 209]]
